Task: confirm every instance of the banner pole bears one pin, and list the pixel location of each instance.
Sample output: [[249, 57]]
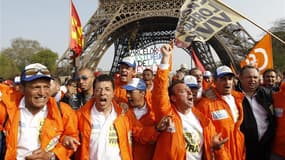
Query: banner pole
[[251, 21]]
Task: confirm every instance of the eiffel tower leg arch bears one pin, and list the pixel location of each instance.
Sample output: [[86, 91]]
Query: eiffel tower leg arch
[[129, 25]]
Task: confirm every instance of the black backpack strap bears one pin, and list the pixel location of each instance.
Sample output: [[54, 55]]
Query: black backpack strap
[[59, 108], [5, 121]]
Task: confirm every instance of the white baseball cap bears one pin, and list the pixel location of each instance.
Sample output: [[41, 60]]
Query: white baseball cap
[[207, 74], [191, 81], [224, 70], [129, 60]]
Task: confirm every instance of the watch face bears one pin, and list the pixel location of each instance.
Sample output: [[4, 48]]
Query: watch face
[[52, 157]]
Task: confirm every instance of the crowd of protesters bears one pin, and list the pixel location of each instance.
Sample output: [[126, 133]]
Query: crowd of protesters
[[193, 115]]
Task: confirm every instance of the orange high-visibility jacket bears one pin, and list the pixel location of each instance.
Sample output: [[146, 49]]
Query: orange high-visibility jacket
[[217, 106], [125, 128], [171, 145], [55, 124], [119, 92], [279, 107], [143, 151]]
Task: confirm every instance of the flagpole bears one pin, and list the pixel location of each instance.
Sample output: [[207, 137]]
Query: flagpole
[[74, 68], [251, 21]]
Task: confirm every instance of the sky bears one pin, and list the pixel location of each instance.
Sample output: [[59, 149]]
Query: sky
[[48, 21]]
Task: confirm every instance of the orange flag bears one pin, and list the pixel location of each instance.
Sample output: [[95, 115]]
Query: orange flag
[[261, 55], [76, 35]]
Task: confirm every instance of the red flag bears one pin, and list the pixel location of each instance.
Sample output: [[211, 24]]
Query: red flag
[[261, 55], [76, 35], [197, 62]]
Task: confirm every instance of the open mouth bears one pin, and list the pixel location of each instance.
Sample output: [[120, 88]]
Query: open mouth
[[103, 99], [190, 99]]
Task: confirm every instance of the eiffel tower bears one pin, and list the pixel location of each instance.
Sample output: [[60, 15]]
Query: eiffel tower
[[137, 24]]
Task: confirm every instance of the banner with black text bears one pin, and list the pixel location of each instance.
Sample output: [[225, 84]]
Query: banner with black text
[[201, 19]]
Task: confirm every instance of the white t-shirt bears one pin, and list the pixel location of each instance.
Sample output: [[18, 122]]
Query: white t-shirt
[[104, 143], [193, 135], [29, 130], [200, 92], [232, 104], [259, 114], [139, 112]]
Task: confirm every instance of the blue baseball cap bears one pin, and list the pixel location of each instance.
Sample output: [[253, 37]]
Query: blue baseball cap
[[35, 71], [135, 83]]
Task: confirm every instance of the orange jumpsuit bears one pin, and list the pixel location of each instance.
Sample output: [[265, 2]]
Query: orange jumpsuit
[[279, 107], [120, 92], [211, 107], [172, 146], [143, 151], [55, 124], [125, 127]]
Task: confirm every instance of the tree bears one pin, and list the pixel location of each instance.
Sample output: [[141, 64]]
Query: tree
[[47, 58], [21, 51], [278, 47], [8, 69]]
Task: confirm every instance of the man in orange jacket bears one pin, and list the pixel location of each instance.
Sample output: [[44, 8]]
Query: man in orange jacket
[[278, 151], [224, 108], [126, 73], [190, 134], [140, 109], [105, 131], [36, 125]]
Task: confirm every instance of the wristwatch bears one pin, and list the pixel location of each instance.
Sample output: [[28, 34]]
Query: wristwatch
[[52, 156]]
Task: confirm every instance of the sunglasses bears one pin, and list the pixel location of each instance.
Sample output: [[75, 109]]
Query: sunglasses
[[34, 71], [83, 77]]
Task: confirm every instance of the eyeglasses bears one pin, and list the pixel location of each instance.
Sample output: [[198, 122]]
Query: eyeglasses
[[34, 71], [83, 77]]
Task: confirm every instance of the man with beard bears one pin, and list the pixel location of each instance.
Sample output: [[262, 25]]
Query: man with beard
[[105, 131], [225, 110], [141, 110], [258, 125]]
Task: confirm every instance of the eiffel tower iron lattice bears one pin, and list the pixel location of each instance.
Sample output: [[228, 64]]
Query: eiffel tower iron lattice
[[137, 24]]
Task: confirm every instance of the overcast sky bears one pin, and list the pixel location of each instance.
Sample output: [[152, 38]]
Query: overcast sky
[[48, 21]]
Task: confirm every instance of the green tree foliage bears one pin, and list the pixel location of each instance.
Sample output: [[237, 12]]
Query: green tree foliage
[[21, 51], [8, 69], [278, 47], [47, 58]]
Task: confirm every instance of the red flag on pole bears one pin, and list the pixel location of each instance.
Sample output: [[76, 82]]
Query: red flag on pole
[[197, 62], [76, 35]]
